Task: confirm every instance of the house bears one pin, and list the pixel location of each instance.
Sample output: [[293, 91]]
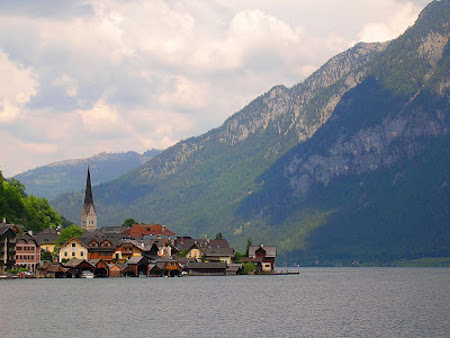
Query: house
[[170, 267], [73, 248], [8, 238], [141, 230], [164, 248], [76, 266], [263, 257], [218, 255], [115, 270], [101, 268], [195, 252], [47, 239], [50, 270], [136, 266], [155, 270], [135, 248], [28, 252], [207, 269], [102, 248], [211, 250]]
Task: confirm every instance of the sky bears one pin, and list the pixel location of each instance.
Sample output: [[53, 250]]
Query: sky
[[83, 77]]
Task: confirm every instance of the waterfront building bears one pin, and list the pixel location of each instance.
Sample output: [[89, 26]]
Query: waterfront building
[[8, 238], [263, 257], [207, 269], [47, 239], [73, 248], [141, 230], [88, 213], [28, 252]]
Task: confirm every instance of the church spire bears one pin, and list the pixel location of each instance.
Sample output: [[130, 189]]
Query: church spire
[[88, 194], [88, 213]]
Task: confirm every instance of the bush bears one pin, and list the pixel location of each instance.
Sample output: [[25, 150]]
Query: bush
[[248, 267]]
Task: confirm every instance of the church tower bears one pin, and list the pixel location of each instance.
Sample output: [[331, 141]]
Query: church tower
[[88, 214]]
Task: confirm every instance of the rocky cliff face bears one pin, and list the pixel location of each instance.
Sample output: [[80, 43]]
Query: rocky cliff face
[[397, 134], [293, 165], [288, 112], [381, 146]]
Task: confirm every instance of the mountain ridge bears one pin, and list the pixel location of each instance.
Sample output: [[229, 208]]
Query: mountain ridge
[[258, 174], [56, 178]]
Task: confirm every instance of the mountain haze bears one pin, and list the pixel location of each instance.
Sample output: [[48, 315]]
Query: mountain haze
[[350, 164], [53, 179]]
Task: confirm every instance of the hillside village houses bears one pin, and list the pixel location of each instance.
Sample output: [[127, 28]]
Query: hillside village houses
[[139, 250]]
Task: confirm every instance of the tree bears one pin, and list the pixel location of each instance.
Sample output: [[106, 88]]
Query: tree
[[249, 244], [237, 257], [20, 188], [248, 267], [65, 222], [182, 253], [129, 222], [68, 233], [46, 256], [39, 214], [11, 202], [33, 212], [219, 235]]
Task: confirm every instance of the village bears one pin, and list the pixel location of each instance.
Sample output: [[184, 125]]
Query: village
[[137, 250]]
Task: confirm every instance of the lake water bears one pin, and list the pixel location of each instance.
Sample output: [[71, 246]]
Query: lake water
[[319, 302]]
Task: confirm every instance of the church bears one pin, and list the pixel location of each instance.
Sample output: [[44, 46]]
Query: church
[[88, 213]]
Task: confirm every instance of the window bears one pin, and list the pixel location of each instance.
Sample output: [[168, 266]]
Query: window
[[73, 253], [65, 254], [74, 245], [81, 253]]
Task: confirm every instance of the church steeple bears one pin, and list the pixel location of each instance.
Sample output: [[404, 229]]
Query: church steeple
[[88, 194], [88, 213]]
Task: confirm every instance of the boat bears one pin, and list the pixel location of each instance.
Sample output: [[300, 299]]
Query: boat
[[87, 274]]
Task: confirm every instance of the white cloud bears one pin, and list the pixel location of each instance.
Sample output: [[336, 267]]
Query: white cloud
[[182, 93], [132, 75], [17, 87], [400, 17], [69, 84]]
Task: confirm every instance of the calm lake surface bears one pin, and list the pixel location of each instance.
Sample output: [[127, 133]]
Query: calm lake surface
[[320, 302]]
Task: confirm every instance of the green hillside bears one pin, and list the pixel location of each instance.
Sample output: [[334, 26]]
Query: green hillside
[[67, 176], [351, 164]]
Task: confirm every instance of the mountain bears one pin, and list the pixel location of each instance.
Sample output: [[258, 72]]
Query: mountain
[[53, 179], [351, 164], [197, 183]]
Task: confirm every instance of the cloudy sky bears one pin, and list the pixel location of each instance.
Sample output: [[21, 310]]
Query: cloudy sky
[[82, 77]]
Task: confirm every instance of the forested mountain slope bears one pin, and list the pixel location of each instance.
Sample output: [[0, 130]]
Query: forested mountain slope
[[53, 179], [331, 168]]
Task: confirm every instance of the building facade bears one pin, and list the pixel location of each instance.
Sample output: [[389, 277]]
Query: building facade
[[28, 252], [73, 248], [8, 238]]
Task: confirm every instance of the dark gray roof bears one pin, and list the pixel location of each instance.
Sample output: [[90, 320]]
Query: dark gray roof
[[201, 265], [47, 236], [218, 252], [74, 262], [113, 230], [135, 260], [271, 251], [27, 238], [94, 262]]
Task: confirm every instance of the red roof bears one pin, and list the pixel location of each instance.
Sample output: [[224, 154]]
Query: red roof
[[139, 230]]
